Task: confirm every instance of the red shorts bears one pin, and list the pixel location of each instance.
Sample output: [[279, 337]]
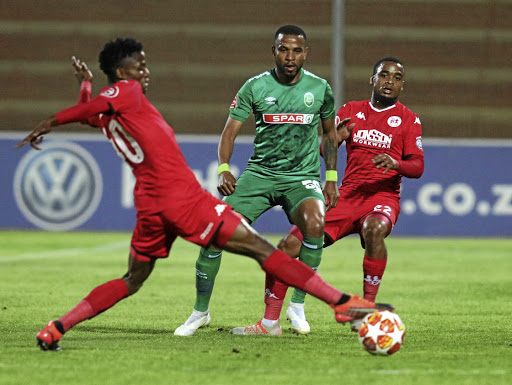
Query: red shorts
[[350, 213], [201, 220]]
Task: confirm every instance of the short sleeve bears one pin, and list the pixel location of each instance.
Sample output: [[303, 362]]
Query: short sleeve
[[241, 106], [413, 141], [123, 95], [327, 110], [343, 113]]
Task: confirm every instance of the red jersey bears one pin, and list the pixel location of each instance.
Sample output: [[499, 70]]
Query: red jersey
[[395, 130], [145, 141]]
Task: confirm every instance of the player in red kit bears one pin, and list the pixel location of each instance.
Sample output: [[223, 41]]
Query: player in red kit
[[169, 200], [383, 143]]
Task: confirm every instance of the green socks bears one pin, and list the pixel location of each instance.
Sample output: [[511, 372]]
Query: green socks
[[207, 267], [311, 255]]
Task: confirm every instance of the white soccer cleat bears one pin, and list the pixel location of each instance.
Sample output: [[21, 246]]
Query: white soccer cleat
[[258, 329], [295, 314], [197, 319]]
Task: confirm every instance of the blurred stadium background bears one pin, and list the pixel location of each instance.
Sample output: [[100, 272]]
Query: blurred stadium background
[[457, 54]]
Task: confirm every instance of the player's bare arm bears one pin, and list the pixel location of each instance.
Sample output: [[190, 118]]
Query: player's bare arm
[[344, 130], [82, 72], [330, 153], [36, 136], [227, 182], [386, 161]]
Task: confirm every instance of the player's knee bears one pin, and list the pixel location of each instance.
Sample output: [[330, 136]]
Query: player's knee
[[313, 226], [290, 244], [374, 229], [132, 284]]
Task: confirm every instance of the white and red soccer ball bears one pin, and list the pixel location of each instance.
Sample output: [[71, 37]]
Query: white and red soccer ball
[[382, 333]]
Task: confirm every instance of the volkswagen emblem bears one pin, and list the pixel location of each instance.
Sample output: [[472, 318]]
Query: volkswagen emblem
[[58, 188]]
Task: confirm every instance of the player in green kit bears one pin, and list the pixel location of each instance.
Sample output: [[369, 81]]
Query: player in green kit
[[288, 104]]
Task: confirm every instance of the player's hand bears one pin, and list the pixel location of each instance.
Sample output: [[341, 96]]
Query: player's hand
[[82, 73], [331, 195], [227, 183], [36, 136], [386, 161], [344, 130]]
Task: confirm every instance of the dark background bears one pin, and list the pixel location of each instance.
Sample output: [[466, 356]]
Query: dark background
[[457, 55]]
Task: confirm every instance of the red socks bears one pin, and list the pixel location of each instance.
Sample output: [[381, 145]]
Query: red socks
[[275, 291], [295, 273], [99, 299], [373, 270]]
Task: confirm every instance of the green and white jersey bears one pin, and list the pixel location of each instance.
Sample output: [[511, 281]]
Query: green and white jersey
[[287, 118]]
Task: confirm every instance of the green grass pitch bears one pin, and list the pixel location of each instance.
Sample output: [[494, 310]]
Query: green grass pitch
[[454, 296]]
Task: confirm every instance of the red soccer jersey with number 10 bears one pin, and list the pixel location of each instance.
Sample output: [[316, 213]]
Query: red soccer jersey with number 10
[[395, 131], [147, 143]]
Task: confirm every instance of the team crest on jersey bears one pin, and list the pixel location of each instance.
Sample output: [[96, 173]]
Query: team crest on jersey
[[234, 102], [112, 92], [270, 100], [309, 99], [394, 121], [419, 143]]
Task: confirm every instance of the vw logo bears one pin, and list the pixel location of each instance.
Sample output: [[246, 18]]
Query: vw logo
[[58, 188]]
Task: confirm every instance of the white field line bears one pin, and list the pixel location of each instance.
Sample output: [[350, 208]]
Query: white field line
[[65, 252]]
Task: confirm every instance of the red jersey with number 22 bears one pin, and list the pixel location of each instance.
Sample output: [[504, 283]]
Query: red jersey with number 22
[[395, 131], [147, 143]]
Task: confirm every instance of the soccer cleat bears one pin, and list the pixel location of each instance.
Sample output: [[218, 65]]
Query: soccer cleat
[[48, 338], [295, 314], [356, 308], [196, 320], [258, 329]]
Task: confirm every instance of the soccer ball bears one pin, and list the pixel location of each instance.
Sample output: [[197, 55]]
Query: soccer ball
[[382, 333]]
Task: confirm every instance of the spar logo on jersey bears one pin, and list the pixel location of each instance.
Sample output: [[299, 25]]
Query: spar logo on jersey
[[373, 138], [394, 121], [112, 92], [288, 118], [309, 99], [59, 188], [233, 103]]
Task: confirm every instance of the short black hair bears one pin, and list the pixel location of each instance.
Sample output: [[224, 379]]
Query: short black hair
[[387, 58], [290, 30], [113, 54]]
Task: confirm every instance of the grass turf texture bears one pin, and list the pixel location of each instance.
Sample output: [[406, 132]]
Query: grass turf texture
[[452, 294]]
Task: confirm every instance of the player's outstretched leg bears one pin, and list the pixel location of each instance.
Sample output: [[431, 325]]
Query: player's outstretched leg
[[101, 298], [292, 272]]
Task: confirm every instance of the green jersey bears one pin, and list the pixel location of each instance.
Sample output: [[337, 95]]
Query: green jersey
[[287, 118]]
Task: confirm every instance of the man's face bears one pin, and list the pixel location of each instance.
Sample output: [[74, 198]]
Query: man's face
[[289, 53], [135, 67], [388, 82]]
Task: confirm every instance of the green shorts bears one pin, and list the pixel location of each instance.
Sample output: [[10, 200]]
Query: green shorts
[[255, 195]]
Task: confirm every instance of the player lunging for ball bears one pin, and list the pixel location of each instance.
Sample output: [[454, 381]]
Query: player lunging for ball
[[169, 200]]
